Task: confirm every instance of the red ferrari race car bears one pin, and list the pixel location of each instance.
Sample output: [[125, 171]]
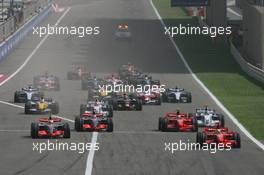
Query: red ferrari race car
[[152, 98], [47, 82], [178, 122], [78, 73], [219, 135], [93, 122], [50, 127]]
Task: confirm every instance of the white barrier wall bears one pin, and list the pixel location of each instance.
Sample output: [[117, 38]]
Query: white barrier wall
[[250, 69], [7, 46]]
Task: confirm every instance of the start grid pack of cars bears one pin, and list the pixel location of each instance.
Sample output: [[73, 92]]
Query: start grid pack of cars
[[98, 111]]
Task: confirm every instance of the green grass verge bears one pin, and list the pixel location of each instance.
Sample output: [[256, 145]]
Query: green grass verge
[[217, 69]]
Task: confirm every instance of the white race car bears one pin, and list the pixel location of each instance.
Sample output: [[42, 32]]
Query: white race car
[[209, 118]]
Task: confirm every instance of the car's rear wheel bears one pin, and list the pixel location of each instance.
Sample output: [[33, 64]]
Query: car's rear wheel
[[139, 105], [195, 124], [27, 108], [199, 138], [160, 123], [16, 98], [238, 140], [67, 131], [78, 124], [34, 130], [164, 125], [110, 126], [222, 120], [115, 106], [164, 97], [159, 101]]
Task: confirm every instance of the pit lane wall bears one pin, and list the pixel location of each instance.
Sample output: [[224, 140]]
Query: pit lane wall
[[250, 69], [8, 45]]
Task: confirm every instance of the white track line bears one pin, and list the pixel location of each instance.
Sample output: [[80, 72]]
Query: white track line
[[231, 116], [12, 104], [22, 107], [89, 163]]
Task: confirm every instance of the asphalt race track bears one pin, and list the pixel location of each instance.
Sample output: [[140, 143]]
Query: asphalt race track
[[135, 147]]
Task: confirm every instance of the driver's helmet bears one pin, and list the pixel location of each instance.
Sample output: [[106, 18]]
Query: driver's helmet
[[96, 102], [30, 87], [125, 96], [206, 108], [50, 120], [42, 99], [177, 111]]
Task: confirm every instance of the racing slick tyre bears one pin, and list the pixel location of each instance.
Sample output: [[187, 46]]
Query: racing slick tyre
[[110, 126], [160, 123], [139, 105], [189, 98], [164, 97], [159, 101], [111, 113], [200, 138], [164, 124], [34, 130], [55, 108], [67, 131], [238, 140], [78, 122], [16, 99], [115, 106], [222, 120], [27, 108], [195, 125]]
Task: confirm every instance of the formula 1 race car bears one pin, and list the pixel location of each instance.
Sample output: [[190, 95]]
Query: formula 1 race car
[[176, 95], [149, 98], [96, 107], [41, 106], [93, 122], [123, 32], [209, 118], [26, 94], [178, 122], [50, 127], [78, 73], [219, 135], [127, 102], [128, 71], [47, 82], [91, 83]]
